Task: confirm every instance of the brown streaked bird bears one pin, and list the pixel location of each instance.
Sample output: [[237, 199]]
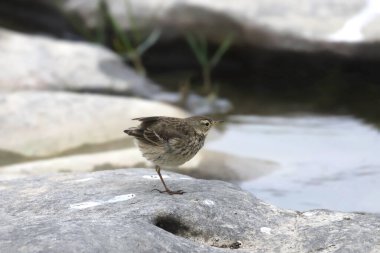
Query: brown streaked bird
[[168, 141]]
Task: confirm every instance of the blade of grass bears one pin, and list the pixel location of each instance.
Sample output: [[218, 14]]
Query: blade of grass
[[149, 41], [221, 50], [197, 49], [203, 46]]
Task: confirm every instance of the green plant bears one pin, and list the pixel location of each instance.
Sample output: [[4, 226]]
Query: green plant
[[199, 46]]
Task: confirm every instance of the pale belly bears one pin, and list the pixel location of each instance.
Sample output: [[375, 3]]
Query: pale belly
[[168, 156]]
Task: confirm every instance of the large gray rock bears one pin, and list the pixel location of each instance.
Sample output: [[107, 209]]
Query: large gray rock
[[41, 124], [118, 211], [30, 62], [312, 25], [37, 62]]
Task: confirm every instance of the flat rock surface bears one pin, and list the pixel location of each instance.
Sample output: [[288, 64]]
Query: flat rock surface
[[118, 211]]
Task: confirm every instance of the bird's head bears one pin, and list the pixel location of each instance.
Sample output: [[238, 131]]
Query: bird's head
[[202, 124]]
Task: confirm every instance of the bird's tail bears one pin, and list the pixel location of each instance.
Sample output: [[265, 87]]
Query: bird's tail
[[134, 131]]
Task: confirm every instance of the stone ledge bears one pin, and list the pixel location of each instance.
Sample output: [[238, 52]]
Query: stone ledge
[[118, 211]]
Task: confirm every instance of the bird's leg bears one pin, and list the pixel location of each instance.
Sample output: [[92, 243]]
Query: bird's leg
[[167, 190]]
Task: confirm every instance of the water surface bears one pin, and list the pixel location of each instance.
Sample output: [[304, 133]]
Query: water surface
[[326, 162]]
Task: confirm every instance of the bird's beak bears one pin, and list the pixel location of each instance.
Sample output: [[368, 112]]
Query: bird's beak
[[217, 122]]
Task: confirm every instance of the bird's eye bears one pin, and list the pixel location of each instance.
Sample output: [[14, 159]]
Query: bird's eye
[[205, 123]]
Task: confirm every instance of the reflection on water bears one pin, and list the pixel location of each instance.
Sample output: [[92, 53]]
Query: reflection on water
[[326, 162]]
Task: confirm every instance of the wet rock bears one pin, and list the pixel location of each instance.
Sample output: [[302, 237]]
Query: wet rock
[[37, 62], [206, 165], [118, 211], [42, 124]]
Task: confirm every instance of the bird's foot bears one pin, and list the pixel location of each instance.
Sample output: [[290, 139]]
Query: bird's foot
[[170, 192]]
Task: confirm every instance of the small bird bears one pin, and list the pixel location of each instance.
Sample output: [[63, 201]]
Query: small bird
[[168, 141]]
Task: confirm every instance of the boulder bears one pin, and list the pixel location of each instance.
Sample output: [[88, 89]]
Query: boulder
[[119, 211], [30, 62], [206, 165], [44, 124], [37, 62]]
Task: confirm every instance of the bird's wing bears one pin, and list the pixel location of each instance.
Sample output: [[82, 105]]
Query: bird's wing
[[159, 133], [151, 136], [148, 119]]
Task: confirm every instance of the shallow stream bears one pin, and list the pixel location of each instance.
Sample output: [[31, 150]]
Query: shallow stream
[[330, 162]]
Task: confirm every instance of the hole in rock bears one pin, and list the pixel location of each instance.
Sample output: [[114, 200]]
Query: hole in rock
[[172, 225]]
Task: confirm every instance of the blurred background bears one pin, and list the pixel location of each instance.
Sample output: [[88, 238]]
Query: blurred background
[[298, 83]]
